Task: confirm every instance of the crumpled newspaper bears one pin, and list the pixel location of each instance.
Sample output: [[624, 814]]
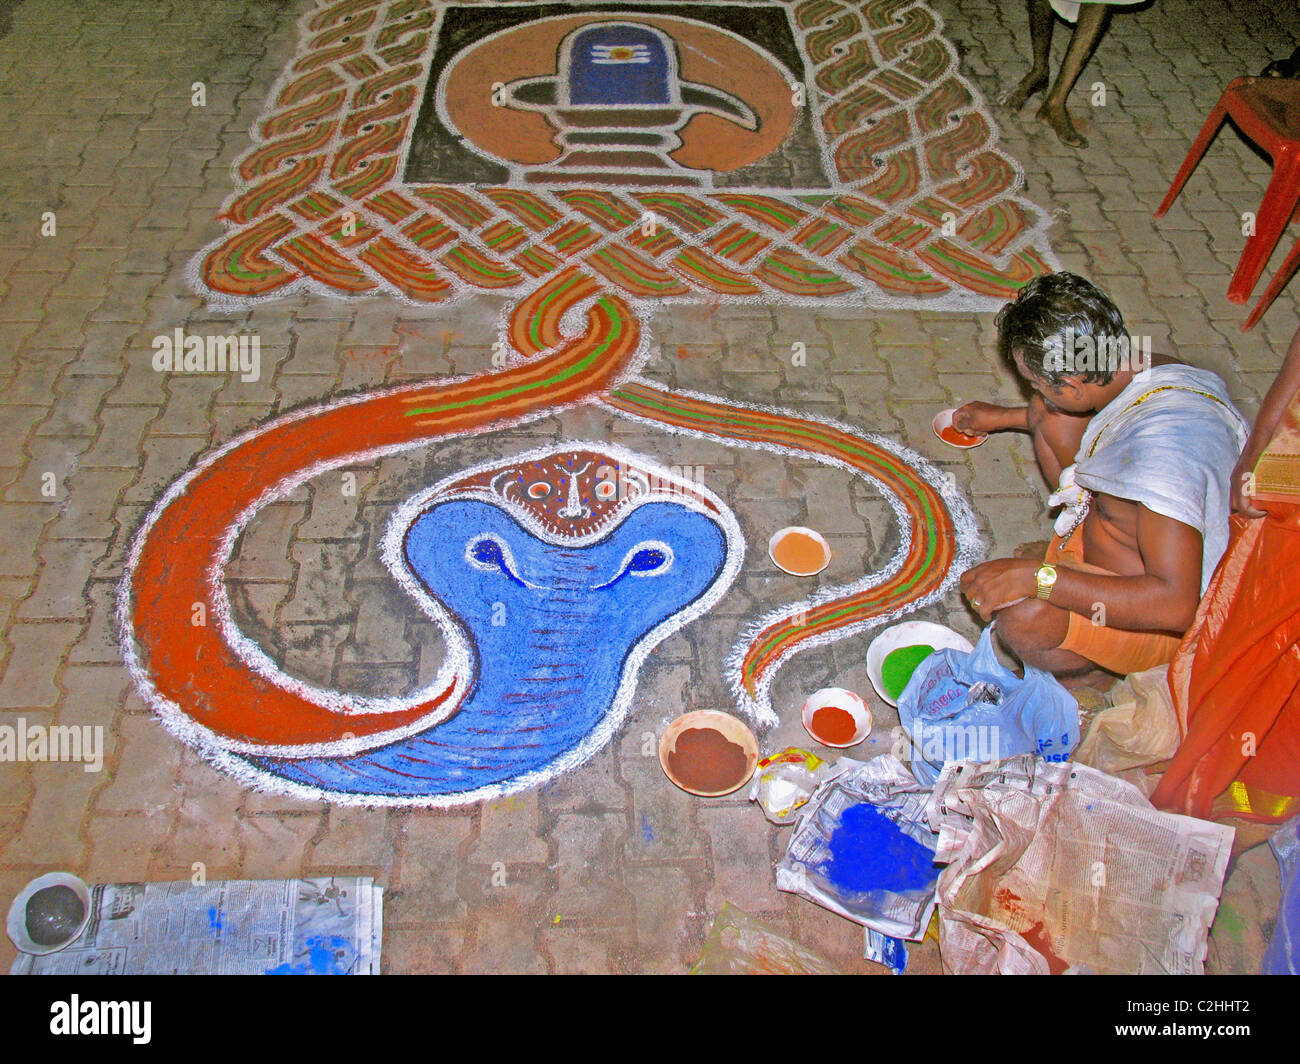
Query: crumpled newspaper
[[1057, 867]]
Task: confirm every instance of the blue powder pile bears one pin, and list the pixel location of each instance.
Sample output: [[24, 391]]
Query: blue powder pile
[[869, 852]]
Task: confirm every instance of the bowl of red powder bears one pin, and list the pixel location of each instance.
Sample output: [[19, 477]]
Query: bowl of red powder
[[799, 551], [943, 429], [708, 753], [836, 717]]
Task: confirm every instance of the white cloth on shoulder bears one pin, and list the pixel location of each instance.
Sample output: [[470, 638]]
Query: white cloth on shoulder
[[1168, 441]]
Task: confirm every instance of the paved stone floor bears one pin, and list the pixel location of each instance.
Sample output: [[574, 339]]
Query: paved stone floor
[[609, 868]]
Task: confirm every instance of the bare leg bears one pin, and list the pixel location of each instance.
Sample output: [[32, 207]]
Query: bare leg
[[1041, 21], [1033, 631], [1093, 20]]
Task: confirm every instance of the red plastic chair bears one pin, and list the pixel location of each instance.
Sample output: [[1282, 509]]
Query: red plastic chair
[[1267, 110], [1275, 287]]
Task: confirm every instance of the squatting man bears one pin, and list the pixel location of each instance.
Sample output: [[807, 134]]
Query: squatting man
[[1139, 452]]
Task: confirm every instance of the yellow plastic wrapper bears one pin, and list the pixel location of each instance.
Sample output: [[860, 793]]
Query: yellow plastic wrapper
[[783, 782]]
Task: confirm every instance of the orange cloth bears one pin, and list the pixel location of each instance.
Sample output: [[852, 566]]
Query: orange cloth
[[1236, 682], [1115, 649]]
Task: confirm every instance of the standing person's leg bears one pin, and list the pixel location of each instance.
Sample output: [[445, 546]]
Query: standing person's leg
[[1041, 20], [1093, 20]]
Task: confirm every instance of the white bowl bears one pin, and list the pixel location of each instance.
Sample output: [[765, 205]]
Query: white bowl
[[845, 700], [17, 922], [943, 420], [909, 633], [816, 537]]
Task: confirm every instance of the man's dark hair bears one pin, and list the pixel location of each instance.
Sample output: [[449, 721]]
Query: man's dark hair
[[1044, 322]]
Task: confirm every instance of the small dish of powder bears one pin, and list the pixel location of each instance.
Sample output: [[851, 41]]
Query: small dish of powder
[[708, 753], [799, 551], [836, 717]]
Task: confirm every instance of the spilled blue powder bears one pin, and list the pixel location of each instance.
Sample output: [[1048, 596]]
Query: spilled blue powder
[[870, 852], [325, 956]]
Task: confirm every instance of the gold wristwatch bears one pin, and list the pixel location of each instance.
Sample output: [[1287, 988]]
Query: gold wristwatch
[[1046, 580]]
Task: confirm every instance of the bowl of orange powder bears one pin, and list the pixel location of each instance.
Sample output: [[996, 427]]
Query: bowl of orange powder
[[943, 428], [836, 717], [799, 551]]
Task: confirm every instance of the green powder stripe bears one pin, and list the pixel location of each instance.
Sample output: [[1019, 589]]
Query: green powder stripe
[[460, 256], [593, 356], [535, 326], [966, 269], [930, 522], [799, 275], [752, 421]]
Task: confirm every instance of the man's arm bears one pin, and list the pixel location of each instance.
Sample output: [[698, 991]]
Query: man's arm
[[1163, 599], [1056, 434]]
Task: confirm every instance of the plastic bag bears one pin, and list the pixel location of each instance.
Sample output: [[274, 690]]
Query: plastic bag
[[740, 945], [961, 706], [785, 781]]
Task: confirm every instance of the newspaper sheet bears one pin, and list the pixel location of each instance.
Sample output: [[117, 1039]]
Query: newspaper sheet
[[332, 925], [1056, 866]]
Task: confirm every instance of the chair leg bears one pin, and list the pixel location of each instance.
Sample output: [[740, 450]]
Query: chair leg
[[1270, 222], [1275, 287], [1207, 134]]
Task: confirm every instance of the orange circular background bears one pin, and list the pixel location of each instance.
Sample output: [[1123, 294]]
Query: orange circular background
[[705, 55]]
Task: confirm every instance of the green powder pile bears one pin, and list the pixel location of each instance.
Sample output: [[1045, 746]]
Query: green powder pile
[[898, 666]]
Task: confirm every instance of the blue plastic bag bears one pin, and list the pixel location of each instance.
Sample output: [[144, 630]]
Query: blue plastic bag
[[1283, 955], [961, 706]]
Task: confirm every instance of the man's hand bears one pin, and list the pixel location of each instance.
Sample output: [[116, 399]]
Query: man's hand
[[995, 585], [979, 419]]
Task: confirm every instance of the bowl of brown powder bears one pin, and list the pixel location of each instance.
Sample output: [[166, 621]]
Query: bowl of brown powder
[[708, 753]]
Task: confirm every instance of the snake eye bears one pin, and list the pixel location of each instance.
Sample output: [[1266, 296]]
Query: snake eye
[[487, 552], [491, 556], [539, 490], [647, 560]]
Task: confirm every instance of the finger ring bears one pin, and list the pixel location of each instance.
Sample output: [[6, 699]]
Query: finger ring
[[975, 603]]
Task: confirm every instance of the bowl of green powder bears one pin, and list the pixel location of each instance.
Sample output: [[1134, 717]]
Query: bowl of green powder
[[897, 652]]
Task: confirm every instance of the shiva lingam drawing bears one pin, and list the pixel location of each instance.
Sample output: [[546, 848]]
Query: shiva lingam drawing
[[617, 103]]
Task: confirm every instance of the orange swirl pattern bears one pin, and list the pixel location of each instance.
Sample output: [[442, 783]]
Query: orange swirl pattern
[[177, 557]]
